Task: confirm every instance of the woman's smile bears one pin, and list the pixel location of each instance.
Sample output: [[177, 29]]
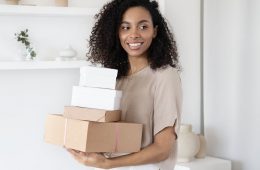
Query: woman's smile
[[135, 46]]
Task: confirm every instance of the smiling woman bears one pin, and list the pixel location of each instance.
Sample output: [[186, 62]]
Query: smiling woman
[[132, 37], [136, 32]]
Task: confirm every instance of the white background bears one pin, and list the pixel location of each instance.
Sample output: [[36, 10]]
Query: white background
[[232, 81]]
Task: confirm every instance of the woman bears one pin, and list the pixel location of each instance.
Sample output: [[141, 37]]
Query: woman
[[133, 37]]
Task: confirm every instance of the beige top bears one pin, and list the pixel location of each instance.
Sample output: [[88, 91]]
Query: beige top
[[154, 99]]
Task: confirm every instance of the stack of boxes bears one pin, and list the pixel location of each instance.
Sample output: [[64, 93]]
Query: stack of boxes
[[92, 122]]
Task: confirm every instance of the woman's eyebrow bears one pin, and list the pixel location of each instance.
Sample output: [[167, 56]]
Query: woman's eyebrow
[[125, 22], [139, 22], [143, 21]]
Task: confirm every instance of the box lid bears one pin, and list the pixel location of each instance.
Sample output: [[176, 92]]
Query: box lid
[[98, 115]]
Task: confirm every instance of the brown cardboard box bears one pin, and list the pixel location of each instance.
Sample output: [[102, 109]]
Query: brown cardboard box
[[97, 115], [88, 136]]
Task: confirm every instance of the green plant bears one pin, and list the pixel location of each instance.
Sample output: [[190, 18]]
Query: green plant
[[23, 37]]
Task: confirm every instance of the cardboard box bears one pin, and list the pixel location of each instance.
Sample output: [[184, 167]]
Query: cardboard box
[[98, 115], [98, 77], [88, 136], [97, 98]]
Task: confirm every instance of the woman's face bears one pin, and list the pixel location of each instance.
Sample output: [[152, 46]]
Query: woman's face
[[136, 31]]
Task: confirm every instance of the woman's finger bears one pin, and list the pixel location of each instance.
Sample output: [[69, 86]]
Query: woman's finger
[[73, 152]]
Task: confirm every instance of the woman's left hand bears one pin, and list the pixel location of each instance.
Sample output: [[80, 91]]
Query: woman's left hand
[[90, 159]]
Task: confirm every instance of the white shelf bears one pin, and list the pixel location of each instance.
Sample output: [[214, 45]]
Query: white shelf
[[208, 163], [26, 65], [23, 10]]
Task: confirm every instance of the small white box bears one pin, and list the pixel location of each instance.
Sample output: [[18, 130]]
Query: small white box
[[97, 98], [98, 77]]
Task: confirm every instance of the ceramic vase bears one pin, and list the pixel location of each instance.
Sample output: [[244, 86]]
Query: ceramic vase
[[61, 3], [203, 147], [26, 55], [188, 144], [12, 2]]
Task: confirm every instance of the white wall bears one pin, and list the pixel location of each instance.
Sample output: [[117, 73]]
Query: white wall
[[232, 81], [184, 18], [26, 96]]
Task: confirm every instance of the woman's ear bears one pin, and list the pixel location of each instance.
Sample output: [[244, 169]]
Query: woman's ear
[[155, 31]]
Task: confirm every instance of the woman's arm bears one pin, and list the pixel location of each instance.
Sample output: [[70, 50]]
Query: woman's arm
[[158, 151]]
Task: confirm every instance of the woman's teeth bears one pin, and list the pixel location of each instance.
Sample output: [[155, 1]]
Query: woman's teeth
[[135, 45]]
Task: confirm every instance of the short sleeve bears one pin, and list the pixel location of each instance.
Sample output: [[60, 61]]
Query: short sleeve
[[167, 100]]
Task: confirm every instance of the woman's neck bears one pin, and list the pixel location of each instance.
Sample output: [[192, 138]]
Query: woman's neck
[[137, 64]]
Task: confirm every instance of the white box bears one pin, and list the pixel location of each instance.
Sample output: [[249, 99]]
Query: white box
[[96, 98], [98, 77]]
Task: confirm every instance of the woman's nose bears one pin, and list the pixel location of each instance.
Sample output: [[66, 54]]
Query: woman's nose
[[134, 34]]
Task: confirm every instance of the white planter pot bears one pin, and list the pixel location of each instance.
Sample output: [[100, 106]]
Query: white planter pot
[[188, 144], [203, 147]]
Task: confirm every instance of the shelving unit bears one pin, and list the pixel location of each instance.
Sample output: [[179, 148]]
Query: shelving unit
[[23, 10], [44, 11], [26, 65]]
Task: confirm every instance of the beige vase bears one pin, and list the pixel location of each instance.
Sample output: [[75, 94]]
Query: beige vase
[[61, 3], [188, 144], [12, 2], [203, 147]]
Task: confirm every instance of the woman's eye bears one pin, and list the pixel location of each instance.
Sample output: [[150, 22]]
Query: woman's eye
[[125, 28], [142, 27]]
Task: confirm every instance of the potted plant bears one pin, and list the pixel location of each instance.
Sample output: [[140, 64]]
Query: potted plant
[[23, 37]]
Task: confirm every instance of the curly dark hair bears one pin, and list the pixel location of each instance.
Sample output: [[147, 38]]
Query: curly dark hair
[[104, 43]]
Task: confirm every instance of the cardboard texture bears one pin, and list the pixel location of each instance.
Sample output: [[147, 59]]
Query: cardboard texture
[[88, 136], [97, 98], [98, 77], [97, 115]]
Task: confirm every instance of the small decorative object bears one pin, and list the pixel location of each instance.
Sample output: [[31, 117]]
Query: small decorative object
[[29, 2], [80, 3], [23, 37], [188, 144], [12, 2], [67, 54], [203, 147], [63, 3]]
